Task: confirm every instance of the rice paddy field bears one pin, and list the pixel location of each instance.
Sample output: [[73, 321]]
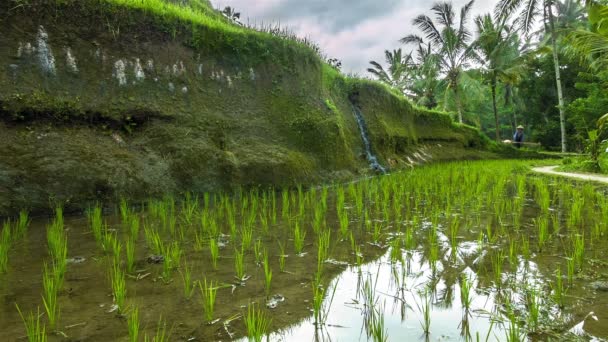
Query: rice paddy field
[[466, 251]]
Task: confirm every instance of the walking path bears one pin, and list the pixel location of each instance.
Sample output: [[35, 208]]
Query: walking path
[[550, 170]]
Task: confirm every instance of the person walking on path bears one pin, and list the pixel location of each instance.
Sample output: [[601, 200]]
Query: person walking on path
[[518, 137]]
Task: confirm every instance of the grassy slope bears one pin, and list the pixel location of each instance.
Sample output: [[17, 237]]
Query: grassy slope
[[221, 106]]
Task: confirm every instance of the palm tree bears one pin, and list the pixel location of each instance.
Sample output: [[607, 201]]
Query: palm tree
[[593, 44], [530, 11], [450, 42], [425, 77], [398, 69], [498, 52]]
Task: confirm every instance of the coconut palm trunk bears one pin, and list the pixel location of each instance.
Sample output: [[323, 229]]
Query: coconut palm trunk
[[558, 78], [493, 83], [458, 103]]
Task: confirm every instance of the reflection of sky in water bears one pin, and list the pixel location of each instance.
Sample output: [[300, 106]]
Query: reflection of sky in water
[[346, 319]]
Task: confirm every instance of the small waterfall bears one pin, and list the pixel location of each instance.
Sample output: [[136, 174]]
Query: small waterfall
[[371, 158]]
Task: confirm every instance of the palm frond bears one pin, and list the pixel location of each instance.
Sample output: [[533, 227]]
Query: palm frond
[[504, 9], [603, 121], [444, 13], [412, 38], [426, 25], [528, 15]]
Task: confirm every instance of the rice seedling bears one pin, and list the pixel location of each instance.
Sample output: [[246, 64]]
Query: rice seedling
[[96, 223], [134, 227], [161, 333], [56, 239], [570, 268], [51, 286], [173, 255], [558, 288], [133, 325], [246, 237], [377, 232], [533, 307], [575, 218], [525, 247], [542, 225], [282, 257], [426, 308], [125, 212], [497, 263], [513, 252], [189, 209], [465, 292], [130, 254], [257, 252], [298, 238], [208, 294], [321, 308], [153, 241], [264, 222], [267, 274], [5, 245], [578, 250], [186, 273], [22, 224], [344, 223], [323, 248], [514, 333], [239, 263], [257, 323], [214, 251], [396, 254], [34, 328], [285, 204], [377, 330], [119, 287]]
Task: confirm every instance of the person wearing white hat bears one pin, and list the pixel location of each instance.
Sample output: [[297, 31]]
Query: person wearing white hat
[[518, 137]]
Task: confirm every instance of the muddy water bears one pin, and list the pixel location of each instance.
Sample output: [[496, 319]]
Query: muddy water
[[401, 277]]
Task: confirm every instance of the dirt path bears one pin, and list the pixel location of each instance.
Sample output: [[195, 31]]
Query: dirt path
[[550, 170]]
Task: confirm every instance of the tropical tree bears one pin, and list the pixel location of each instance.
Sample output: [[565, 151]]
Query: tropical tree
[[530, 11], [593, 44], [449, 40], [425, 77], [399, 68], [494, 47]]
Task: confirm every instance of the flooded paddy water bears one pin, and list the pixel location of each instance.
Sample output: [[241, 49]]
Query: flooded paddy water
[[468, 251]]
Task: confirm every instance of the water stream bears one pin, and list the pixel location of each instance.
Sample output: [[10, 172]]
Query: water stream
[[371, 158]]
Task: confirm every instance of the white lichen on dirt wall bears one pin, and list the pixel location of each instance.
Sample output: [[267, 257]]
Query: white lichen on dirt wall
[[70, 61], [120, 72], [45, 54]]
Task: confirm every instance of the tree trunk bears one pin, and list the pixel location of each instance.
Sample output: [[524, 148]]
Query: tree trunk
[[558, 79], [458, 103], [493, 87]]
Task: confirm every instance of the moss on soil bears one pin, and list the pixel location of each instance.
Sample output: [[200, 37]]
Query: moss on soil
[[145, 98]]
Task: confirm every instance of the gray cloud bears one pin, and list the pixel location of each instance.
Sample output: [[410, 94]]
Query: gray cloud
[[352, 31]]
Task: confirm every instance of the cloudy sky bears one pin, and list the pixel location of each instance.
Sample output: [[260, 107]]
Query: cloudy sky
[[354, 31]]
